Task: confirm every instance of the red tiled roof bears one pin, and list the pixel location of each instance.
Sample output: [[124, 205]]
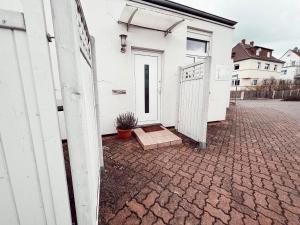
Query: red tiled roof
[[296, 52], [245, 51]]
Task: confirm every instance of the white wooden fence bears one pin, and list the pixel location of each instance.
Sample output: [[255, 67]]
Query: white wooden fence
[[33, 187], [193, 101], [75, 61]]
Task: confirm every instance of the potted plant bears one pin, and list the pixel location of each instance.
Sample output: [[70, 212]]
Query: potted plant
[[125, 122]]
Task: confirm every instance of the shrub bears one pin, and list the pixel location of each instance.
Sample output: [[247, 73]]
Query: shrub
[[126, 121]]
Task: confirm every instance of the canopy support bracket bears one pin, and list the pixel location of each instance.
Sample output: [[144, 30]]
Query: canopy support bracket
[[169, 30], [130, 18]]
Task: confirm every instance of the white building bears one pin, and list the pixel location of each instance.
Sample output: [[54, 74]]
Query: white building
[[49, 59], [291, 67], [164, 35], [253, 64]]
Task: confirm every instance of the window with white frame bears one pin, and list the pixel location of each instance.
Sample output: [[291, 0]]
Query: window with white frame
[[197, 45], [275, 68], [258, 65], [236, 66], [254, 82], [267, 66]]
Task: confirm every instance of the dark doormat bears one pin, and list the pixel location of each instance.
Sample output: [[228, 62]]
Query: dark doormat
[[152, 128]]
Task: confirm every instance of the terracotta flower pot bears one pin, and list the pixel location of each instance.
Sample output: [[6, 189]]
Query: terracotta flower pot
[[124, 134]]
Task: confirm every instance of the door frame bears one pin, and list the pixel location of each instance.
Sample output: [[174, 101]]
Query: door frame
[[157, 54]]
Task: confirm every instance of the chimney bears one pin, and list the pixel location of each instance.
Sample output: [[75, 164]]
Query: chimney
[[243, 41], [252, 43]]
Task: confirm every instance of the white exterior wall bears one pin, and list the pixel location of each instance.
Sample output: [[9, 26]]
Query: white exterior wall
[[248, 71], [116, 69], [291, 70]]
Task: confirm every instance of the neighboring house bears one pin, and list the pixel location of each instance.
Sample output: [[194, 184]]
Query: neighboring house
[[252, 64], [291, 67], [163, 35]]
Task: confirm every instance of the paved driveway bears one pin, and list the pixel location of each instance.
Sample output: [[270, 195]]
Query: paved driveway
[[291, 109], [250, 174]]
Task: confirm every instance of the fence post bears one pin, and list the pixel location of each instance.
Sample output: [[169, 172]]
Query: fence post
[[66, 30], [242, 95]]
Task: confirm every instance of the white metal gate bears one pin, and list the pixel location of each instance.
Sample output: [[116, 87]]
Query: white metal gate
[[193, 100]]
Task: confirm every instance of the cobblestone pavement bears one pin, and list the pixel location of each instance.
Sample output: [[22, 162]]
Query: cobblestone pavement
[[290, 108], [249, 174]]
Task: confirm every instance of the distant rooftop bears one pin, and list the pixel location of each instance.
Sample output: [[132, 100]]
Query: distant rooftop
[[243, 51]]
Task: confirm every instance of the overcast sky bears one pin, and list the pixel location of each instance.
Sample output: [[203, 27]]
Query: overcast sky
[[270, 23]]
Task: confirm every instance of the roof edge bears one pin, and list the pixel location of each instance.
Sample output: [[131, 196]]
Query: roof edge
[[189, 10], [258, 59]]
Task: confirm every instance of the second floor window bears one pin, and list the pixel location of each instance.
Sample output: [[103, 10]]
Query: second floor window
[[258, 65], [267, 66], [275, 68], [236, 66]]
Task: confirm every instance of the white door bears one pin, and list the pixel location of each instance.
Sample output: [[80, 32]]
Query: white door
[[147, 71]]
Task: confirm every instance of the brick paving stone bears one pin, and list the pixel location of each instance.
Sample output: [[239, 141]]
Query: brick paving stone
[[148, 219], [179, 216], [121, 216], [192, 208], [150, 199], [217, 213], [263, 220], [190, 194], [192, 220], [164, 197], [207, 219], [132, 220], [249, 174], [173, 203], [159, 222], [236, 218], [249, 220], [137, 208], [161, 212]]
